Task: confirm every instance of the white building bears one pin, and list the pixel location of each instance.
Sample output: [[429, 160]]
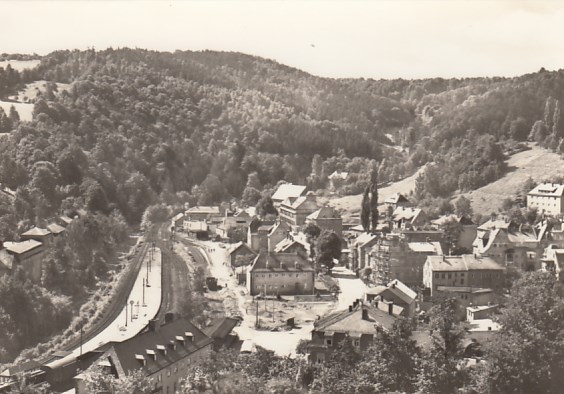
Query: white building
[[547, 198]]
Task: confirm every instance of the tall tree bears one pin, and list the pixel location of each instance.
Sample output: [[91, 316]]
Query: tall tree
[[374, 199], [365, 210]]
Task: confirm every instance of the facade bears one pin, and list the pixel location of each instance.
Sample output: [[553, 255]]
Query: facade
[[404, 218], [468, 229], [277, 233], [290, 245], [553, 261], [360, 248], [337, 178], [196, 229], [237, 250], [28, 255], [397, 293], [327, 218], [257, 234], [510, 244], [280, 274], [203, 213], [178, 221], [392, 257], [547, 198], [359, 323], [464, 272], [396, 200], [294, 211], [231, 222], [286, 191], [163, 353]]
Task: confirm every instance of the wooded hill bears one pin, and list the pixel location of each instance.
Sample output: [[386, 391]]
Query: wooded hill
[[210, 126]]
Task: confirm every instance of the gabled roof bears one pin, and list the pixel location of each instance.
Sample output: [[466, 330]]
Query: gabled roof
[[280, 262], [398, 284], [496, 224], [297, 202], [203, 210], [324, 213], [364, 239], [406, 214], [466, 262], [22, 247], [127, 350], [352, 322], [338, 175], [288, 190], [178, 216], [280, 226], [463, 220], [36, 232], [548, 190], [239, 245], [397, 288], [426, 247], [286, 244], [55, 228], [256, 223], [221, 328], [395, 199]]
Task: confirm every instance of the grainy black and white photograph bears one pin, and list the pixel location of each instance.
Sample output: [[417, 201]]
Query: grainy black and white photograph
[[282, 197]]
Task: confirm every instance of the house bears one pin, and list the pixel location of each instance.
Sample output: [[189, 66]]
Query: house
[[28, 255], [42, 235], [64, 220], [221, 332], [257, 234], [405, 218], [291, 245], [547, 198], [196, 229], [295, 210], [327, 218], [468, 229], [337, 178], [238, 251], [397, 293], [553, 260], [511, 244], [278, 232], [177, 221], [359, 323], [280, 274], [465, 272], [393, 257], [286, 191], [229, 223], [396, 200], [203, 213], [360, 248], [55, 229], [163, 354], [29, 370]]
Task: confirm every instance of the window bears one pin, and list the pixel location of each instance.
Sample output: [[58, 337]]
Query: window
[[356, 343], [328, 341], [436, 275], [442, 276], [461, 281], [270, 275], [449, 276], [159, 378], [297, 275], [168, 372]]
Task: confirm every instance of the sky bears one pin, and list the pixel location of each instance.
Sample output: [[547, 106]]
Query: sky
[[340, 39]]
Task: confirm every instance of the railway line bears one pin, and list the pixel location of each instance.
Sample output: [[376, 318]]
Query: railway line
[[115, 305]]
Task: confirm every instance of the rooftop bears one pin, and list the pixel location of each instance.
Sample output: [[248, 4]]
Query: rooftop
[[22, 247], [281, 262], [466, 262], [203, 210], [36, 231], [396, 198], [55, 228], [221, 328], [352, 322], [325, 213], [406, 213], [548, 190], [425, 247], [288, 190]]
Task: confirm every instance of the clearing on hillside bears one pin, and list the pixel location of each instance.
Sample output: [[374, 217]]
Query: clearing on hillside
[[25, 110], [20, 65], [537, 163]]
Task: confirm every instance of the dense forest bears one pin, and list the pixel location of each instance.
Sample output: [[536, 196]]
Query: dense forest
[[134, 128]]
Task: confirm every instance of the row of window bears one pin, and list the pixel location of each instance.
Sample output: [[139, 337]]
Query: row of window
[[290, 275], [471, 275]]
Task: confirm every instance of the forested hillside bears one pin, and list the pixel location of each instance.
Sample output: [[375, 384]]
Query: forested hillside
[[210, 126]]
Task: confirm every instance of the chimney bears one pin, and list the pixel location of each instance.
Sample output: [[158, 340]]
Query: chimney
[[364, 314], [393, 285], [296, 265], [350, 308], [169, 317], [180, 338], [376, 304], [154, 325], [172, 344], [391, 308], [189, 336]]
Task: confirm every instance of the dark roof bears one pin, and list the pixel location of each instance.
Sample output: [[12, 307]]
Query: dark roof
[[280, 262], [126, 351], [349, 322], [256, 223], [221, 328]]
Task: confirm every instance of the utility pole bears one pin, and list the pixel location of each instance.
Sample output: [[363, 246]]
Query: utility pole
[[126, 313], [144, 292], [81, 339], [257, 318], [131, 312]]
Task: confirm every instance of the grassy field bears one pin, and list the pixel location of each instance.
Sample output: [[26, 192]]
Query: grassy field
[[32, 89], [25, 110], [350, 205], [537, 163]]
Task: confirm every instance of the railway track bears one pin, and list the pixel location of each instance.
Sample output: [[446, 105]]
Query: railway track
[[116, 304]]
